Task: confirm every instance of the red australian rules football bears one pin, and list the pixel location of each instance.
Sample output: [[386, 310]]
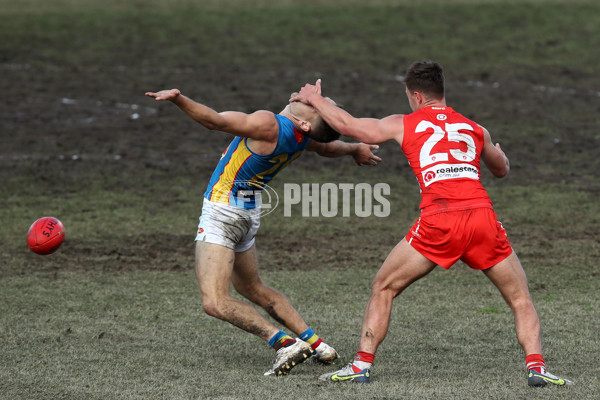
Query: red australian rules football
[[45, 235]]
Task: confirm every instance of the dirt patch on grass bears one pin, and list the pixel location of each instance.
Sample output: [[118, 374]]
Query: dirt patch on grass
[[68, 128]]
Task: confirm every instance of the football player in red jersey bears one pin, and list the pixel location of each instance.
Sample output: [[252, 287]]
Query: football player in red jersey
[[457, 222]]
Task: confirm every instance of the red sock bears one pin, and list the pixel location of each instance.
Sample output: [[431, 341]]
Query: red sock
[[535, 362], [363, 356], [316, 344], [284, 342]]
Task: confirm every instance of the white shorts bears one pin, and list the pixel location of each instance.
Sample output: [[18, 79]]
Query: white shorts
[[228, 226]]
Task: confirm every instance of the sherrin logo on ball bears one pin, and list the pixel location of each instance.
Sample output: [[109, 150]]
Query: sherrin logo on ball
[[45, 235]]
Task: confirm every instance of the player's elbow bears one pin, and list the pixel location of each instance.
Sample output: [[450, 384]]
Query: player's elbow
[[501, 172], [214, 126], [499, 167], [214, 122]]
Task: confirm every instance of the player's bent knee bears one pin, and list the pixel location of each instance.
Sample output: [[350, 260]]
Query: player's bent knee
[[210, 309], [213, 307]]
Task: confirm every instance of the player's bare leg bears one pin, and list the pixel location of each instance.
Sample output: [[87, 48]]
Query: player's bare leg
[[403, 266], [214, 270], [248, 283], [510, 279], [214, 266]]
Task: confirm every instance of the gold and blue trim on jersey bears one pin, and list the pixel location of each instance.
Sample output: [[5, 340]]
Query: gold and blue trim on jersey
[[241, 174]]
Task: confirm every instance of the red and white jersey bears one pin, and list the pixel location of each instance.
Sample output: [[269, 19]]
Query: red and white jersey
[[443, 149]]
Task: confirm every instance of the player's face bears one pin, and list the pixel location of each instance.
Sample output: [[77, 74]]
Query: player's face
[[329, 99], [298, 110], [303, 111]]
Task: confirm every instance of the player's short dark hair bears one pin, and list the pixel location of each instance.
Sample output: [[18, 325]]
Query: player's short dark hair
[[426, 77], [322, 132]]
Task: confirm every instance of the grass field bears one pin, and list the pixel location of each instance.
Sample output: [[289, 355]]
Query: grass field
[[115, 314]]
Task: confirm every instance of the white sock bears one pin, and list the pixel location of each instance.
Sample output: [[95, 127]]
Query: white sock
[[362, 365]]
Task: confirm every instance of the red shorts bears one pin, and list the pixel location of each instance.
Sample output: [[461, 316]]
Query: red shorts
[[474, 236]]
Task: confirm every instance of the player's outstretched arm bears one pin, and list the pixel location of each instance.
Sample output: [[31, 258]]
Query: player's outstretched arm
[[361, 153], [493, 156], [366, 130], [260, 125]]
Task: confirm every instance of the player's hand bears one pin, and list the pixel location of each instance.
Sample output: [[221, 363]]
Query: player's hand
[[170, 94], [364, 155], [307, 91]]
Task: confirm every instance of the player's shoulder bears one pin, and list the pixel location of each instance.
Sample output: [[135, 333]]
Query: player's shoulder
[[264, 114], [262, 117], [394, 119], [392, 127]]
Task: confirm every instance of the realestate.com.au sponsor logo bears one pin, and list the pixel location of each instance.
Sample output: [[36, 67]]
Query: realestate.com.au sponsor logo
[[319, 200], [448, 171]]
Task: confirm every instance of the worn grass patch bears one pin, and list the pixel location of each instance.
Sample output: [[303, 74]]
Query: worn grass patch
[[115, 313]]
